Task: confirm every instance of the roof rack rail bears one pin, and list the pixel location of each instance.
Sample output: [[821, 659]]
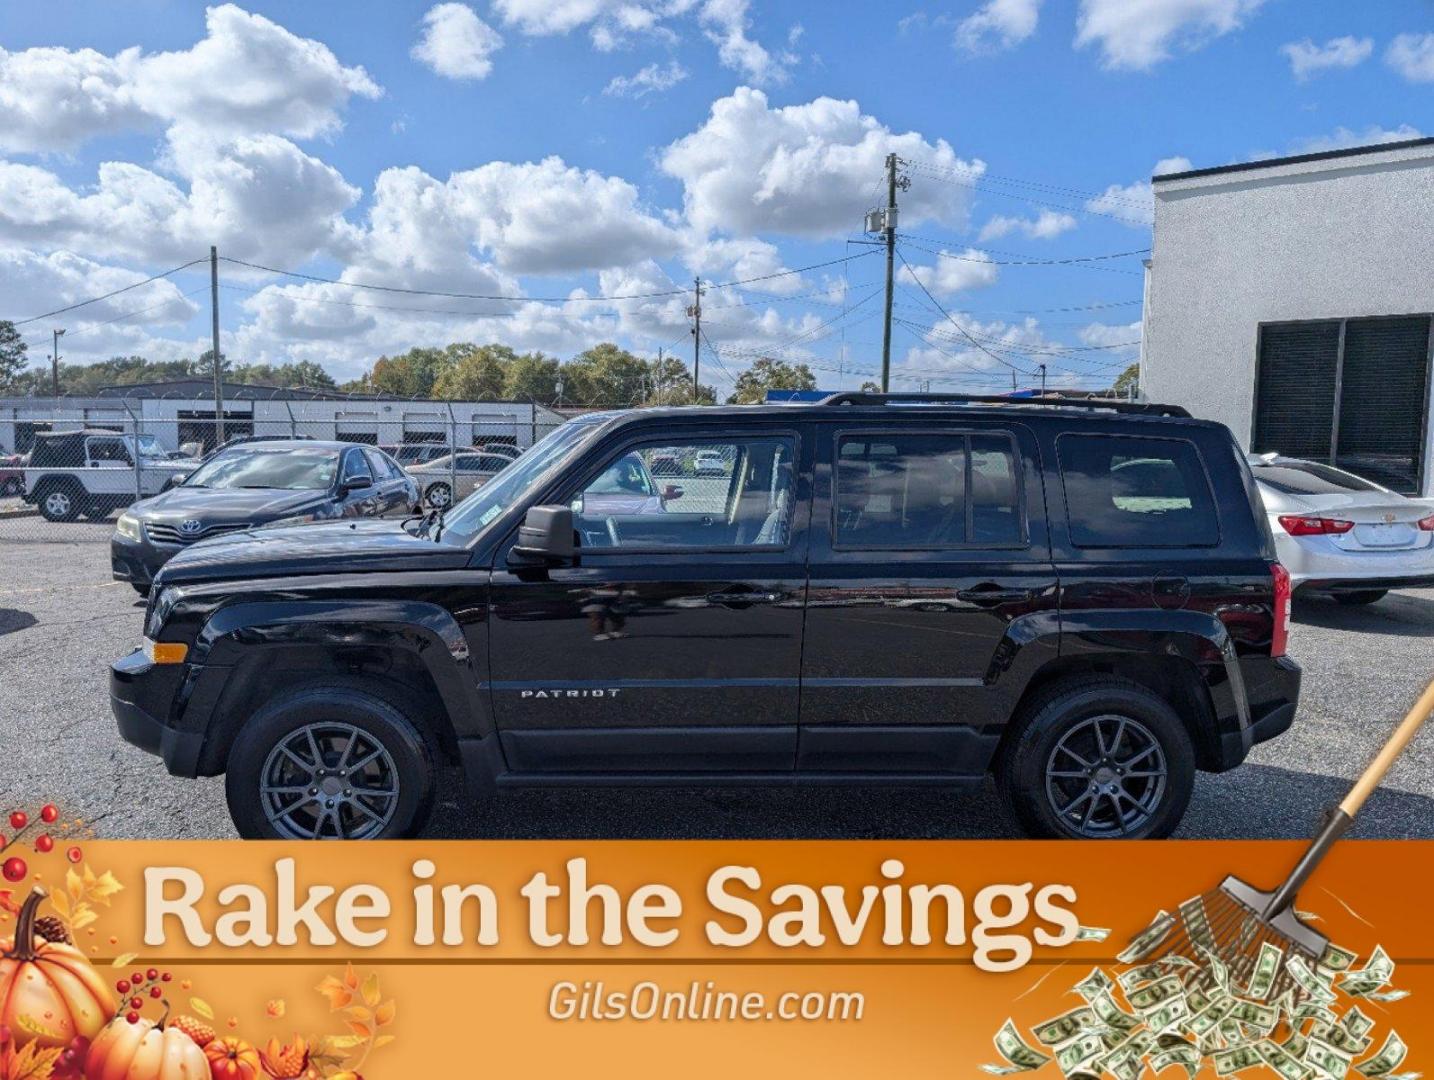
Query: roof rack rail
[[1139, 408]]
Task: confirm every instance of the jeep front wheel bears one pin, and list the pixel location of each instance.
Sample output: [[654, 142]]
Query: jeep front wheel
[[1097, 758], [331, 762], [61, 502]]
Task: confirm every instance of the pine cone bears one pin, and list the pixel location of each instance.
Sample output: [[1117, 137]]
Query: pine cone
[[52, 929]]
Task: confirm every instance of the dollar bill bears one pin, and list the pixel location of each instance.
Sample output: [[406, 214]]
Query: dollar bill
[[1329, 1060], [1355, 1022], [1375, 975], [1197, 923], [1071, 1057], [1112, 1015], [1019, 1056], [1267, 966], [1092, 933], [1259, 1016], [1151, 996], [1308, 981], [1208, 1019], [1149, 939], [1168, 1015], [1186, 1056], [1336, 959], [1296, 1044], [1281, 1060], [1387, 995], [1094, 985], [1197, 998], [1340, 1037], [1391, 1055], [1236, 1059], [1144, 973], [1067, 1026], [1218, 972]]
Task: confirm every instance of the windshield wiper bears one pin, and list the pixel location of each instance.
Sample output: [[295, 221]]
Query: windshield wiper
[[428, 522]]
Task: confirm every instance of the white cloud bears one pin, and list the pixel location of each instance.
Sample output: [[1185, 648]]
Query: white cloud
[[1342, 138], [1134, 204], [954, 272], [802, 169], [1119, 340], [1412, 55], [1000, 24], [726, 23], [1307, 59], [247, 75], [653, 79], [456, 43], [1138, 34], [1044, 226]]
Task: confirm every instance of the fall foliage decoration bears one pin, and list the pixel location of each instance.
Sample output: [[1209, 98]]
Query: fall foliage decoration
[[49, 993], [144, 1050]]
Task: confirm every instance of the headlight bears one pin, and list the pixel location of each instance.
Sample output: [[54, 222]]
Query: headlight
[[128, 527]]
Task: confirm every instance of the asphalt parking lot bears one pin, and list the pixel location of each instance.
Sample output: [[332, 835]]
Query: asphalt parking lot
[[62, 621]]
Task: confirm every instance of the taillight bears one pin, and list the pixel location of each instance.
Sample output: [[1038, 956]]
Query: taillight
[[1296, 525], [1427, 524], [1280, 635]]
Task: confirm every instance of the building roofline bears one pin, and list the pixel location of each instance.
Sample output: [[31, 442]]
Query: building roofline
[[1294, 159]]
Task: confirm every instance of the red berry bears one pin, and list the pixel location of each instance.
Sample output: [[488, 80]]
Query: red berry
[[122, 986], [74, 854], [18, 820], [14, 869], [132, 1017], [136, 1003], [137, 978], [165, 977], [44, 843], [155, 992], [49, 813], [152, 974]]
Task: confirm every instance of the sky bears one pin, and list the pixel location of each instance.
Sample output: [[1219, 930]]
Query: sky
[[550, 174]]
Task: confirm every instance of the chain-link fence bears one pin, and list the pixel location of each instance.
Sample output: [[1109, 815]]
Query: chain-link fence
[[68, 470]]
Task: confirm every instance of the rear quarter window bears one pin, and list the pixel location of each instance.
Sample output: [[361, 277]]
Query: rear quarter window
[[1124, 492]]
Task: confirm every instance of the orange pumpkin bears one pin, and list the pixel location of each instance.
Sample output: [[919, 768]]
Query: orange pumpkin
[[144, 1051], [49, 993], [232, 1058]]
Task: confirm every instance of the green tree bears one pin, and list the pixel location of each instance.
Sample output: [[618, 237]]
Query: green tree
[[606, 375], [870, 387], [301, 373], [12, 355], [410, 375], [474, 373], [770, 374], [533, 377], [1127, 381]]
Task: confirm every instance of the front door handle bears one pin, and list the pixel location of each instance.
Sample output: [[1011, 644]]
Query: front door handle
[[991, 594], [742, 599]]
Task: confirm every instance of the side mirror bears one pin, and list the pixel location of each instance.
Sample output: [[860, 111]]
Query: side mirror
[[671, 492], [546, 536], [355, 483]]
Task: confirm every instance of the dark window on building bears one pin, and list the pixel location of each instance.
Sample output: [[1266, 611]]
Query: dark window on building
[[1351, 393], [924, 490], [1135, 492]]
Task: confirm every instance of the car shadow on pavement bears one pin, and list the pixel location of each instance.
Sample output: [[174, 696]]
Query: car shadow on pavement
[[1251, 802], [1397, 613], [13, 619]]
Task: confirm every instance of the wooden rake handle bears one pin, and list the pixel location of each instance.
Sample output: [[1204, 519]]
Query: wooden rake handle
[[1340, 821]]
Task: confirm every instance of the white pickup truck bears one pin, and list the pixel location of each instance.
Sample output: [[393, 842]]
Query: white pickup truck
[[91, 473]]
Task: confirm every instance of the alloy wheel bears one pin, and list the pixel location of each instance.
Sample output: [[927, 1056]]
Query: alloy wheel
[[329, 781], [439, 496], [1106, 776], [58, 503]]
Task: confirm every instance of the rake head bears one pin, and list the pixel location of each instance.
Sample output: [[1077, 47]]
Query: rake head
[[1232, 924]]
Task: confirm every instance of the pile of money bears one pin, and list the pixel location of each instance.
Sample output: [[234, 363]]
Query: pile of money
[[1298, 1018]]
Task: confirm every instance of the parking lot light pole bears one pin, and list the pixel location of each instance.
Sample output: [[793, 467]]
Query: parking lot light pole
[[55, 363]]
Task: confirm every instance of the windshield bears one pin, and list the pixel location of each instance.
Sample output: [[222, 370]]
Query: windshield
[[476, 512], [149, 446], [1294, 477], [627, 477], [283, 468]]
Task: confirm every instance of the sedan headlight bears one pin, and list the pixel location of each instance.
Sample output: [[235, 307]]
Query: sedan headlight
[[128, 527]]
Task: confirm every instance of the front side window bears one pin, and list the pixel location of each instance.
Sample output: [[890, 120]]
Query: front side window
[[356, 469], [1136, 492], [109, 450], [927, 491], [676, 496]]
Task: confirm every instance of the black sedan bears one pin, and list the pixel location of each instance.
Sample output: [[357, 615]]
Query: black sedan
[[274, 482]]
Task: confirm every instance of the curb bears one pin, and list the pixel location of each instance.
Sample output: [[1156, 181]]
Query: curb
[[18, 512]]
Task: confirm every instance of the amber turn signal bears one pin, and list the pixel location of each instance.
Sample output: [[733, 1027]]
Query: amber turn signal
[[165, 652]]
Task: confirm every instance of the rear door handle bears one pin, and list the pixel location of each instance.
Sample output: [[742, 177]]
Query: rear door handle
[[742, 599], [991, 593]]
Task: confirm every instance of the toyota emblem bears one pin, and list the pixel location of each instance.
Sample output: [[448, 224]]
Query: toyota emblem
[[190, 527]]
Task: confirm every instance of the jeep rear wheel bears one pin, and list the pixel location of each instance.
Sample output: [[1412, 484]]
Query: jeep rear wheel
[[61, 501], [1097, 757], [332, 762]]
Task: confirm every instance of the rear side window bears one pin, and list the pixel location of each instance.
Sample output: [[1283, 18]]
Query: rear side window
[[927, 490], [1136, 492]]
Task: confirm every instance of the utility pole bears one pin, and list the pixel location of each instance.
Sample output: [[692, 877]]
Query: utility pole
[[55, 364], [696, 312], [658, 377], [218, 373], [1043, 380], [889, 227]]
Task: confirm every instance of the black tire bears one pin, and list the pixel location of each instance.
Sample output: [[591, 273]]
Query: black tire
[[1080, 707], [438, 496], [143, 590], [11, 488], [339, 706], [1363, 596], [60, 500]]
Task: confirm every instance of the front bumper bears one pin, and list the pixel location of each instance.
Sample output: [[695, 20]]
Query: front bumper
[[137, 561], [140, 696]]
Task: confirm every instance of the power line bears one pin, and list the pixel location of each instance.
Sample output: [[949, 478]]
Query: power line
[[1081, 260], [952, 320], [106, 296]]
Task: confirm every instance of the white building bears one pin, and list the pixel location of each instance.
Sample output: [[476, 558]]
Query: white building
[[182, 412], [1291, 300]]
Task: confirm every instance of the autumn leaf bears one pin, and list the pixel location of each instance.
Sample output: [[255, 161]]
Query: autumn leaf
[[337, 993], [383, 1040], [202, 1007], [33, 1063], [7, 902], [363, 1031], [74, 885], [371, 993], [276, 1008], [385, 1013], [61, 903], [123, 960], [351, 979], [359, 1013]]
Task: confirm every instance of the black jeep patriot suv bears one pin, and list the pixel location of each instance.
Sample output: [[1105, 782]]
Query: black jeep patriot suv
[[1078, 596]]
